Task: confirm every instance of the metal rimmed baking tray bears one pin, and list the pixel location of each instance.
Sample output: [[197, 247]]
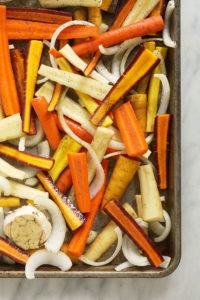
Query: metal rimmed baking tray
[[172, 246]]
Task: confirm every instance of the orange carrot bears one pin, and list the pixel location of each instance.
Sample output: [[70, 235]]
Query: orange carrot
[[56, 97], [13, 252], [79, 239], [79, 172], [55, 53], [119, 215], [26, 30], [8, 90], [38, 14], [47, 121], [123, 14], [76, 128], [140, 28], [162, 124], [130, 130], [64, 181]]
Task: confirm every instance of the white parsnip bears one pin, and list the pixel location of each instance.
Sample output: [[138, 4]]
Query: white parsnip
[[11, 127], [64, 3]]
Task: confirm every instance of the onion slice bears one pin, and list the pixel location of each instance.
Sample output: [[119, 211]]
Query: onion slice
[[164, 102], [99, 177], [5, 186], [105, 73], [114, 154], [59, 30], [107, 261], [57, 236], [109, 51], [167, 228], [43, 257], [166, 31]]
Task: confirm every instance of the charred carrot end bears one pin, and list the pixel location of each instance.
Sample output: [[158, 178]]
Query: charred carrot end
[[13, 252], [9, 201], [73, 216], [79, 172], [64, 181], [143, 63], [119, 215], [26, 158], [55, 98], [123, 172], [40, 15], [8, 90], [78, 241], [162, 125], [139, 104], [131, 132], [32, 65], [47, 121]]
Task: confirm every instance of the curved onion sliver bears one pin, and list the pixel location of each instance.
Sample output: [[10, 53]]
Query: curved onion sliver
[[109, 51], [99, 177], [57, 236], [107, 261], [123, 266], [166, 31], [5, 186], [59, 30], [105, 73], [167, 228], [114, 154], [44, 149], [164, 102], [43, 257], [22, 143]]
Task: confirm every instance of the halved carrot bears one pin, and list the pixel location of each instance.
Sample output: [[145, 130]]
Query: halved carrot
[[79, 172], [131, 132], [9, 201], [64, 182], [162, 124], [47, 121], [8, 90], [140, 28], [27, 30], [119, 215], [55, 53], [78, 241], [13, 252]]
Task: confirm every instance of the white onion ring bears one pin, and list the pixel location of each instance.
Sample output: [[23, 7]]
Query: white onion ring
[[105, 73], [107, 261], [57, 236], [149, 138], [43, 257], [31, 181], [103, 28], [167, 228], [59, 30], [164, 101], [44, 149], [109, 51], [166, 31], [98, 180], [114, 154], [5, 186], [21, 145]]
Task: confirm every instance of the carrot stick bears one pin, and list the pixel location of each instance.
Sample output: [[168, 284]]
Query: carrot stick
[[8, 90], [79, 239], [38, 14], [158, 9], [119, 215], [79, 172], [13, 252], [130, 130], [140, 28], [162, 124], [64, 181], [47, 121], [55, 53], [26, 30], [56, 97]]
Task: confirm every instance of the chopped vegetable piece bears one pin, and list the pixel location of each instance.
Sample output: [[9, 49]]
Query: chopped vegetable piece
[[79, 172], [7, 170], [47, 121], [26, 158], [56, 97], [64, 182], [95, 16], [38, 14], [66, 146], [119, 215], [131, 132], [23, 191], [79, 239], [123, 172], [32, 65], [64, 3], [73, 216], [9, 201], [141, 65], [27, 30], [9, 96], [152, 206], [140, 28], [106, 237], [139, 104], [162, 125], [11, 127], [64, 249], [13, 252], [158, 9]]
